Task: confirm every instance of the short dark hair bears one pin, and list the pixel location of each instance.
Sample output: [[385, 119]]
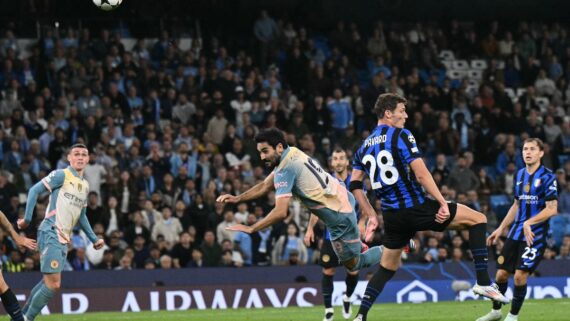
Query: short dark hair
[[538, 142], [79, 145], [272, 137], [339, 150], [388, 101]]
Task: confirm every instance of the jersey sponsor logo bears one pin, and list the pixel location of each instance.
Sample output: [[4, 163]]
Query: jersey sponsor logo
[[281, 185], [74, 200], [526, 197], [375, 140], [532, 199]]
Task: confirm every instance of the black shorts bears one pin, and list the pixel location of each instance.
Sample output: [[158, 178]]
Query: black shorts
[[401, 225], [516, 255], [328, 258]]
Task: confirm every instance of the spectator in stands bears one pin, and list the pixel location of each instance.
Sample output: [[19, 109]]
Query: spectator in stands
[[182, 251], [165, 262], [210, 249], [446, 138], [509, 155], [221, 232], [289, 244], [341, 113], [197, 258], [168, 226], [95, 213], [266, 31], [461, 178], [441, 167]]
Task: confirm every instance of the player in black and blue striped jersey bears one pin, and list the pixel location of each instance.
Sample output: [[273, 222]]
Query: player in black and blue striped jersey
[[536, 193], [392, 160], [328, 258]]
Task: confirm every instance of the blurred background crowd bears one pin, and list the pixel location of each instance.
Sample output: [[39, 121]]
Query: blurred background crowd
[[170, 126]]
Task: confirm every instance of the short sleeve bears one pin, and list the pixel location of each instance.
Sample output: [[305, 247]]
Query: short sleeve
[[284, 180], [357, 161], [407, 147], [517, 181], [551, 186], [54, 180]]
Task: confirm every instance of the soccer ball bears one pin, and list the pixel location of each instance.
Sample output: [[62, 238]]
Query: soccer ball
[[107, 5]]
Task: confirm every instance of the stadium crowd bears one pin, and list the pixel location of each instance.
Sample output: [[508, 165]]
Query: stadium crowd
[[170, 130]]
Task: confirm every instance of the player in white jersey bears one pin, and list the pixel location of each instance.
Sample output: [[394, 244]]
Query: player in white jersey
[[67, 207]]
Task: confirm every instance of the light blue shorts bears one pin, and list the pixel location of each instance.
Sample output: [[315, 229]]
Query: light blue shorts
[[53, 253], [343, 228]]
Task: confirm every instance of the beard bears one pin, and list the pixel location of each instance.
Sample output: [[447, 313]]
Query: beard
[[271, 164]]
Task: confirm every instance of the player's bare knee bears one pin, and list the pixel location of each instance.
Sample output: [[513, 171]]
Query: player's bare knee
[[521, 277], [477, 218], [3, 286], [502, 276], [328, 271]]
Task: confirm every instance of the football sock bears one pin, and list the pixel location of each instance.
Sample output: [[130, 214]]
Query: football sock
[[11, 305], [503, 290], [327, 288], [518, 299], [38, 301], [34, 291], [374, 288], [479, 251], [351, 282]]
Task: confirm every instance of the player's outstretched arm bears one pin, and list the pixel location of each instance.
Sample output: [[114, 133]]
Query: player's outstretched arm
[[33, 194], [20, 240], [368, 212], [253, 193], [549, 211], [279, 213], [507, 221]]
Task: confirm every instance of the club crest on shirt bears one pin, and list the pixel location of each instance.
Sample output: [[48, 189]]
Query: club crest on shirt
[[79, 187], [501, 259], [537, 182], [326, 258], [54, 264], [527, 188]]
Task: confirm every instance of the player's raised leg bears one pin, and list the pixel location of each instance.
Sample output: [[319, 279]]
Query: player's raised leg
[[476, 223]]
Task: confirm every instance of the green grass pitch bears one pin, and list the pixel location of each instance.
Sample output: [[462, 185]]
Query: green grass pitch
[[533, 310]]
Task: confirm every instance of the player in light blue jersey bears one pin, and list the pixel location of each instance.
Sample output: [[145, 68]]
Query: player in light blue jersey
[[297, 175], [67, 206], [536, 195]]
